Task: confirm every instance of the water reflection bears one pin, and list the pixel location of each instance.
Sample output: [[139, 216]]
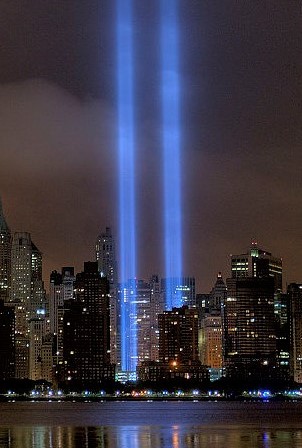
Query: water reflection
[[146, 437]]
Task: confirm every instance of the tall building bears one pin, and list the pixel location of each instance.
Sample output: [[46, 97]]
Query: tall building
[[181, 291], [27, 294], [61, 290], [178, 335], [258, 263], [86, 346], [295, 318], [7, 338], [107, 265], [105, 256], [210, 344], [249, 326], [178, 349], [157, 306], [217, 295], [281, 306], [5, 257]]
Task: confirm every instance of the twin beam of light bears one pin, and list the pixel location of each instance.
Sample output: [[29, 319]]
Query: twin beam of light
[[171, 148], [126, 151]]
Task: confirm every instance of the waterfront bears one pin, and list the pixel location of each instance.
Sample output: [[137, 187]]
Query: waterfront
[[150, 425]]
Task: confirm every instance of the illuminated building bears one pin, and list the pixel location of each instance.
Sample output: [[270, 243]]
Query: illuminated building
[[178, 349], [5, 257], [249, 326], [281, 306], [217, 295], [258, 263], [36, 333], [294, 291], [106, 258], [181, 291], [61, 289], [27, 295], [178, 335], [210, 343], [86, 347], [157, 306]]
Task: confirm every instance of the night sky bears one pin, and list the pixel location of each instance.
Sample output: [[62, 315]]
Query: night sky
[[241, 80]]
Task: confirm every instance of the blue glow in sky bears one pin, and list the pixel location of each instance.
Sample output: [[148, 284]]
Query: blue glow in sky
[[171, 141], [126, 150]]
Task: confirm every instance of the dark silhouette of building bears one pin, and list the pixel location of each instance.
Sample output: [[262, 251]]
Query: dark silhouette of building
[[178, 335], [178, 348], [86, 347], [7, 338], [294, 291], [249, 327]]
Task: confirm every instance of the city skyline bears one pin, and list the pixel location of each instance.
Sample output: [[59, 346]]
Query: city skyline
[[241, 120]]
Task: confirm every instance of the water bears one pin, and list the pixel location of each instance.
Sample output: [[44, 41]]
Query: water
[[150, 425]]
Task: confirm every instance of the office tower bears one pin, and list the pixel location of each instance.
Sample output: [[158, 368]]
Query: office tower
[[143, 315], [46, 357], [157, 306], [86, 346], [61, 290], [249, 327], [258, 263], [105, 256], [7, 338], [5, 257], [281, 306], [294, 291], [210, 343], [27, 295], [181, 290], [36, 334], [178, 349], [218, 294], [178, 335], [107, 265]]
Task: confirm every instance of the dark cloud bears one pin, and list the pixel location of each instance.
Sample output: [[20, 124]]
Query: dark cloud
[[241, 65]]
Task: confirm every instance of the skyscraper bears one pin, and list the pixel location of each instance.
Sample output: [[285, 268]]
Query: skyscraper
[[86, 328], [105, 256], [7, 346], [295, 317], [107, 265], [5, 257], [258, 263], [178, 335], [27, 295], [181, 291], [249, 326]]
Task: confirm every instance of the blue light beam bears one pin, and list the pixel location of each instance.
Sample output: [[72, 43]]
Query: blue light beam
[[126, 151], [171, 146]]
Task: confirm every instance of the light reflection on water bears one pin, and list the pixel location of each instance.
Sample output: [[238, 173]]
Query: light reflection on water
[[145, 437], [151, 425]]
